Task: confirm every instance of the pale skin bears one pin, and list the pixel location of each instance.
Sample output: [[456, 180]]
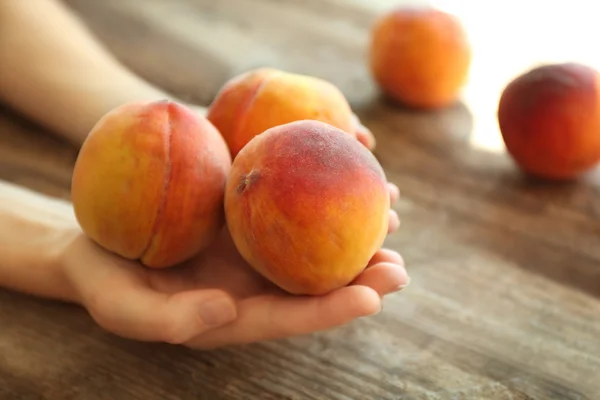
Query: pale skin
[[55, 72]]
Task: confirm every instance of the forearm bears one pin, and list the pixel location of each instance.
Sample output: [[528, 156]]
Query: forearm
[[34, 231], [55, 72]]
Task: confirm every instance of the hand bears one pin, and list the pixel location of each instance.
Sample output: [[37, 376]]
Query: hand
[[215, 299]]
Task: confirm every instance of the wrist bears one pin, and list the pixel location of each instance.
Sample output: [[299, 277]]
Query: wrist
[[57, 259], [33, 237]]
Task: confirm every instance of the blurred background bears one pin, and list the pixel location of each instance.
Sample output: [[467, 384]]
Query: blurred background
[[192, 46]]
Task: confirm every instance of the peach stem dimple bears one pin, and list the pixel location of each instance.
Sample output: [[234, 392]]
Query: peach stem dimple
[[247, 180]]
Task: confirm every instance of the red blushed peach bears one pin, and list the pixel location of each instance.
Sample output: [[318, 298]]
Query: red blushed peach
[[255, 101], [149, 183], [307, 206], [549, 118]]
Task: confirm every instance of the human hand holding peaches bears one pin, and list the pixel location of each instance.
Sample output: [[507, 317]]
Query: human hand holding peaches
[[207, 243], [215, 299]]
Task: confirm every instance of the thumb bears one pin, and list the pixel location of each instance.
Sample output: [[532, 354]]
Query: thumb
[[147, 315], [197, 311]]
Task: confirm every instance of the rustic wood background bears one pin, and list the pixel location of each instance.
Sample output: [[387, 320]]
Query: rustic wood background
[[504, 300]]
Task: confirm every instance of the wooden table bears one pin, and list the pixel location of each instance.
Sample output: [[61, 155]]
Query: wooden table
[[504, 301]]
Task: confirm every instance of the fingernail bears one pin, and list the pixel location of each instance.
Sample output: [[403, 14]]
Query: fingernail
[[217, 312], [403, 286]]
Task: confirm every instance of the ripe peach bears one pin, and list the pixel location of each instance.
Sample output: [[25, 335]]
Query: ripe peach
[[254, 101], [549, 118], [419, 56], [307, 206], [149, 182]]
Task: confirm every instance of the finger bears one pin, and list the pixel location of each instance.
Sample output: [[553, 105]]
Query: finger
[[394, 192], [365, 137], [384, 278], [143, 314], [364, 134], [275, 317], [394, 223], [386, 256]]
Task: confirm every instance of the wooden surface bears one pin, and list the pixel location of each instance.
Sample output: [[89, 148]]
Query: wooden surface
[[504, 300]]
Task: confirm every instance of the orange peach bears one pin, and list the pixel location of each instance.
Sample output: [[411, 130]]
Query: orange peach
[[307, 206], [149, 183], [254, 101], [549, 118], [419, 56]]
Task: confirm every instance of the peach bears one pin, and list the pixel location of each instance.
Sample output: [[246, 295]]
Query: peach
[[254, 101], [549, 118], [419, 56], [149, 183], [307, 206]]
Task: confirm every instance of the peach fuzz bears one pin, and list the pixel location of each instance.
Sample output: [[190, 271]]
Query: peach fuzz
[[549, 118], [257, 100], [149, 183], [419, 56], [307, 206]]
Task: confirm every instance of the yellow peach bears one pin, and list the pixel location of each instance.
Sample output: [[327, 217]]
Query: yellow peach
[[419, 56], [149, 182], [254, 101]]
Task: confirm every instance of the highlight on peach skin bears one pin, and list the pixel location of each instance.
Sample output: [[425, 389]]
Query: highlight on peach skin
[[307, 206], [549, 118], [149, 181], [254, 101], [419, 56]]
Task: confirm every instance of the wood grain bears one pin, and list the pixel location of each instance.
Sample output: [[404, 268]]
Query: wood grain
[[504, 300]]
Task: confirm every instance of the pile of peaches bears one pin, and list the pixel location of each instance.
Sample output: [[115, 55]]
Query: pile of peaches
[[276, 159]]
